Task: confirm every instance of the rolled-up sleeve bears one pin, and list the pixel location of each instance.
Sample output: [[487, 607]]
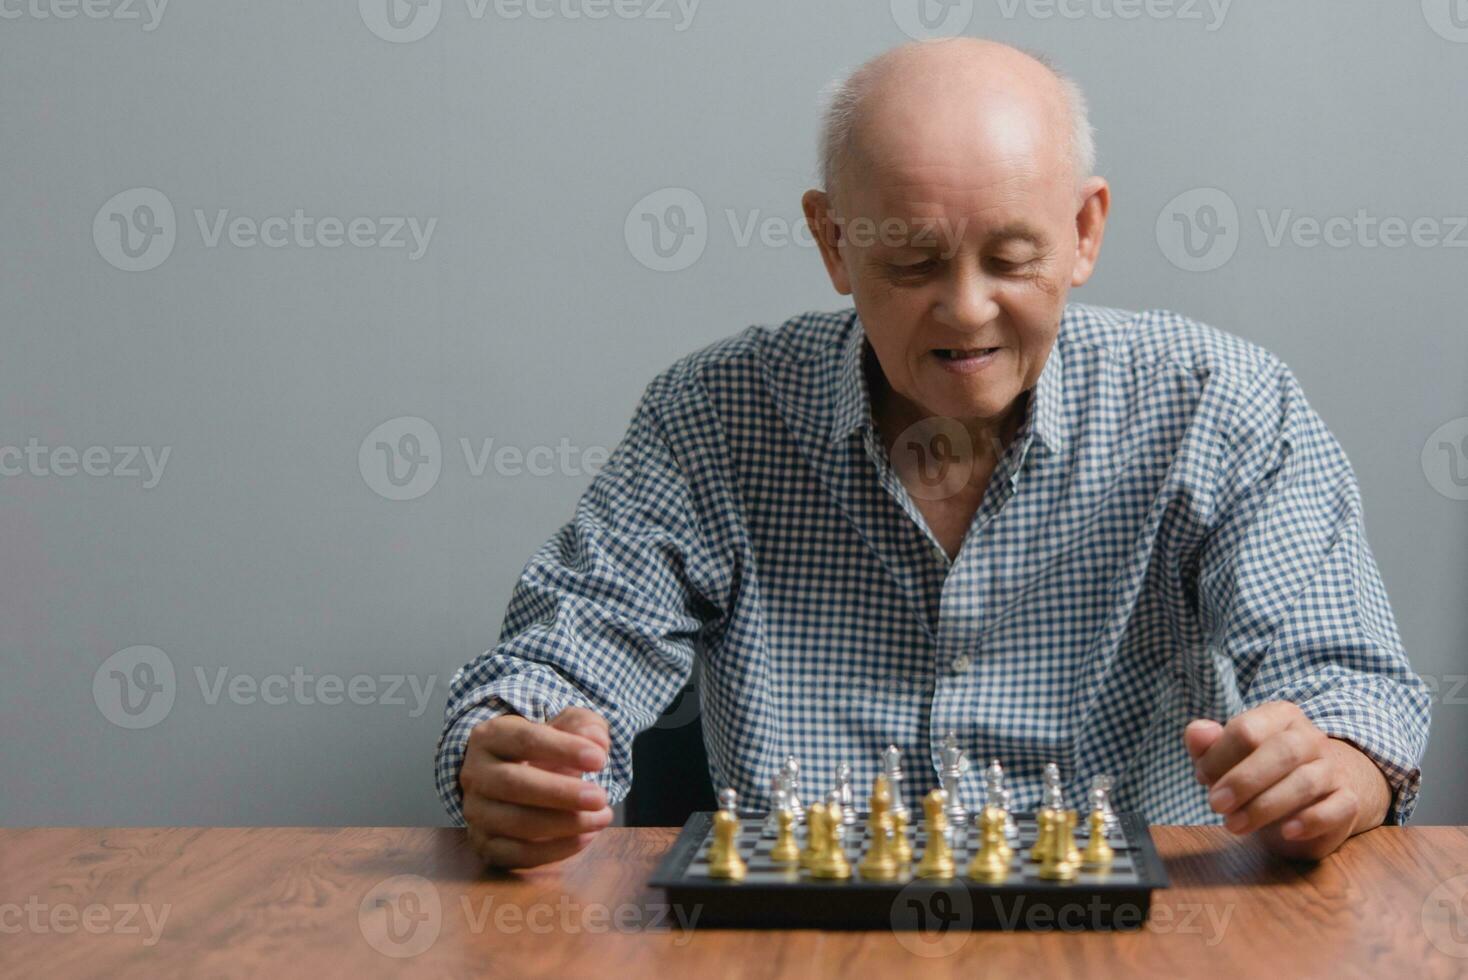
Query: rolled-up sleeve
[[1289, 591], [607, 615]]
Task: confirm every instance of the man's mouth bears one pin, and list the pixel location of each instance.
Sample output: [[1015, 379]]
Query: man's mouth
[[963, 353]]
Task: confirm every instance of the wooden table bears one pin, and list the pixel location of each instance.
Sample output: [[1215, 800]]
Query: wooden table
[[292, 902]]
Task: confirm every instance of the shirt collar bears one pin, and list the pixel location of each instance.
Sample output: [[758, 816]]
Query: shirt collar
[[852, 401]]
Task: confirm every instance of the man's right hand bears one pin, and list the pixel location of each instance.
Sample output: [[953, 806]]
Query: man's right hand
[[525, 802]]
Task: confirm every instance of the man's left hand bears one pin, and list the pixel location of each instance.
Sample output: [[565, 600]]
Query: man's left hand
[[1270, 770]]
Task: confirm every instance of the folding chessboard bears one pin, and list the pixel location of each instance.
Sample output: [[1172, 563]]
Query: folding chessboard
[[771, 895]]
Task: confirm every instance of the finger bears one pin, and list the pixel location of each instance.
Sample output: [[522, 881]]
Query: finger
[[531, 786], [1331, 815], [504, 852], [1281, 754], [586, 723], [516, 739], [1199, 737], [1293, 793], [529, 823], [1243, 734]]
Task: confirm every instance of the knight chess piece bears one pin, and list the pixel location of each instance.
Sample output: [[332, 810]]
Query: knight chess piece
[[724, 859], [879, 863], [990, 862], [937, 859]]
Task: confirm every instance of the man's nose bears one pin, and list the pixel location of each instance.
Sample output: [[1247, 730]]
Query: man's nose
[[968, 301]]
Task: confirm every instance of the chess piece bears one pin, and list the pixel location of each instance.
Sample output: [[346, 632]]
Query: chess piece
[[878, 864], [833, 799], [1099, 853], [785, 850], [1042, 838], [990, 863], [845, 794], [950, 776], [901, 844], [937, 859], [724, 859], [815, 836], [1068, 838], [997, 795], [1054, 866], [1103, 783], [892, 769], [790, 777], [832, 861]]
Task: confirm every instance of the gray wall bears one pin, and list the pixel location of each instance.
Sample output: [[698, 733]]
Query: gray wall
[[536, 314]]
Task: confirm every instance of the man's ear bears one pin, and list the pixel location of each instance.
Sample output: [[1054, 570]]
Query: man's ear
[[820, 217], [1095, 198]]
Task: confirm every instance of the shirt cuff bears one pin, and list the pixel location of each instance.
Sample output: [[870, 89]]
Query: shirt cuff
[[1365, 728]]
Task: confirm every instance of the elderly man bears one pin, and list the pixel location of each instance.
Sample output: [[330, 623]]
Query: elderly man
[[1121, 542]]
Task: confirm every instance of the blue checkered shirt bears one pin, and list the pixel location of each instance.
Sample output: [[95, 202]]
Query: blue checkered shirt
[[1173, 534]]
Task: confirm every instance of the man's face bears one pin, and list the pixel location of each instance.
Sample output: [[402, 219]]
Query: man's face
[[959, 249]]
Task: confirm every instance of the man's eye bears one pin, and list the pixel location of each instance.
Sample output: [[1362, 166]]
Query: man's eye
[[1010, 265], [916, 269]]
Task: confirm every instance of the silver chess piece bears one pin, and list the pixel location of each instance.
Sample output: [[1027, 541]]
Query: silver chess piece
[[729, 801], [790, 779], [892, 768], [1052, 796], [780, 789], [996, 794], [1101, 794], [833, 798], [950, 778], [845, 794]]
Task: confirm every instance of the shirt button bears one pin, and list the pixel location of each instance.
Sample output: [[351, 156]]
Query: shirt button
[[961, 663]]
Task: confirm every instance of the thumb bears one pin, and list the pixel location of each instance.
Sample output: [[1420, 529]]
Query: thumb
[[1200, 735], [586, 723]]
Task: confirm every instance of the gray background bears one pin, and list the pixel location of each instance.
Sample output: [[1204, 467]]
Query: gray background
[[530, 320]]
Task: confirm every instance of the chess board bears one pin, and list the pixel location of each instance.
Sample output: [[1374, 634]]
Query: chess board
[[775, 896]]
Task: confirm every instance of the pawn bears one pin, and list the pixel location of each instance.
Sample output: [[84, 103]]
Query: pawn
[[785, 851], [832, 861], [990, 864], [937, 859], [879, 864], [901, 844], [815, 836], [724, 859], [1068, 838], [1054, 866], [1042, 836], [1099, 853]]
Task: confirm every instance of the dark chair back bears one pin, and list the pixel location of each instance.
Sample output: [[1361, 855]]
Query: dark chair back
[[670, 768]]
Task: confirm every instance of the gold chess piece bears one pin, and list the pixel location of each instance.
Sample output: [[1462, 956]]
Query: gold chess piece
[[1099, 853], [879, 864], [990, 864], [1054, 866], [815, 835], [785, 851], [1042, 839], [832, 861], [937, 859], [1068, 839], [724, 859], [901, 844]]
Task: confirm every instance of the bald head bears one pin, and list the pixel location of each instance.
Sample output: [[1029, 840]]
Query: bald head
[[975, 96]]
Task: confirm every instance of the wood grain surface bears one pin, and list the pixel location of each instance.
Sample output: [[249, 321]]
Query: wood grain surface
[[367, 901]]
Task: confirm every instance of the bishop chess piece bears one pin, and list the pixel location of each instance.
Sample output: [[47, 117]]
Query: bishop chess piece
[[832, 861], [937, 859], [785, 850], [892, 769], [950, 776], [724, 859], [990, 862], [879, 863]]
